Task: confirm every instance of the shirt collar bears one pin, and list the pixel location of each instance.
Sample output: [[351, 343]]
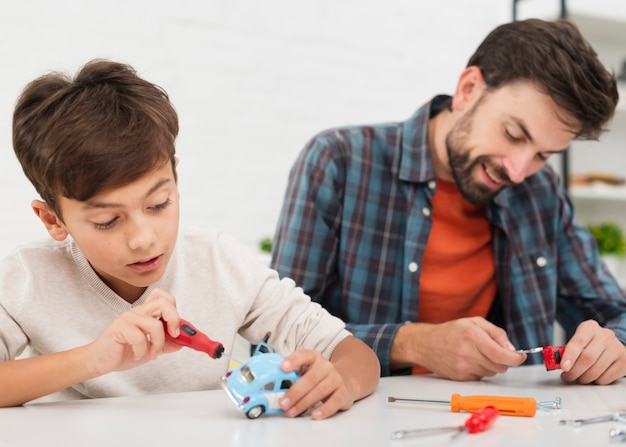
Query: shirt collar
[[416, 164]]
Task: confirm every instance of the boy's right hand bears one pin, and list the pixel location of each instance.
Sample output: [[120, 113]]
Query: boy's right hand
[[136, 336]]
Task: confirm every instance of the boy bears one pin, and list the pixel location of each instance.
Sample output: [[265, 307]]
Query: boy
[[100, 151]]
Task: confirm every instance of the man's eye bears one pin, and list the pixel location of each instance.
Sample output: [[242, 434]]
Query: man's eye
[[543, 157], [512, 137]]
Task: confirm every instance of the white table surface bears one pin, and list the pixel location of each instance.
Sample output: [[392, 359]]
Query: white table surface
[[208, 418]]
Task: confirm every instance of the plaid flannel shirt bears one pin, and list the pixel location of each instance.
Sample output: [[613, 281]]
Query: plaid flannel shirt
[[354, 227]]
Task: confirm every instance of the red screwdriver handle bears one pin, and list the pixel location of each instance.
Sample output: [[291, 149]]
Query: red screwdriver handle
[[481, 420], [193, 338], [552, 356]]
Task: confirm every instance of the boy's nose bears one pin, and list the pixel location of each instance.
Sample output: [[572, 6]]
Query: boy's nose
[[140, 236]]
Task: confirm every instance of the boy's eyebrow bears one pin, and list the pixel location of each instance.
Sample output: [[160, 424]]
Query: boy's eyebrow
[[157, 186]]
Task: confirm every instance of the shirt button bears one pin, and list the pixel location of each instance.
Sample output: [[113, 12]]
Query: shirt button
[[541, 261], [432, 184], [426, 211], [413, 267]]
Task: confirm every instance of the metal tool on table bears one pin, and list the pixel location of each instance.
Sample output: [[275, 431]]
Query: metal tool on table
[[615, 417], [550, 404], [509, 406], [552, 355], [193, 338], [479, 421], [617, 435]]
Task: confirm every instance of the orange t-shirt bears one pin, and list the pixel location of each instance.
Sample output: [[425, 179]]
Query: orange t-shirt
[[458, 271]]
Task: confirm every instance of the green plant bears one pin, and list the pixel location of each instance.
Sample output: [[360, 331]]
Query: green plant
[[266, 245], [609, 237]]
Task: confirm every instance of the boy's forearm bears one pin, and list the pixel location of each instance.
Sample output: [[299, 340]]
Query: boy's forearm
[[24, 380], [359, 364]]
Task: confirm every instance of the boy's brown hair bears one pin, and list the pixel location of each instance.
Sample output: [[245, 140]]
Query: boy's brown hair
[[555, 57], [102, 129]]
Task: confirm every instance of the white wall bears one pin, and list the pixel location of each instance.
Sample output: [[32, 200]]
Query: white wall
[[252, 82]]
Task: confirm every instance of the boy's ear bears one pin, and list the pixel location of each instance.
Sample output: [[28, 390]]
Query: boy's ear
[[176, 160], [50, 220], [469, 88]]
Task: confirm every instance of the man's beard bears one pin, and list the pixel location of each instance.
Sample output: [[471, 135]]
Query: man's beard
[[462, 166]]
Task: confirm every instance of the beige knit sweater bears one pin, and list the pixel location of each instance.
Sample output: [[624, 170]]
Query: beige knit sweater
[[51, 300]]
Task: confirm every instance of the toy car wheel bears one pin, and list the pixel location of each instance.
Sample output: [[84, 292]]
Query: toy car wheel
[[255, 412]]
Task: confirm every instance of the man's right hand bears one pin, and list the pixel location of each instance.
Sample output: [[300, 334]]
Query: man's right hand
[[464, 349]]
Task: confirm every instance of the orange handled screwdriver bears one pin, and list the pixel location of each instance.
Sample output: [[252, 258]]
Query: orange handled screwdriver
[[509, 406], [479, 421]]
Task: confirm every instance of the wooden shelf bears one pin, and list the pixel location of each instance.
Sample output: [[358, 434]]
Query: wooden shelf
[[598, 192]]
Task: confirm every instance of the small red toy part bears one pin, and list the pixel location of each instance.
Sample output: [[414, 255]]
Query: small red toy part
[[191, 337], [552, 356]]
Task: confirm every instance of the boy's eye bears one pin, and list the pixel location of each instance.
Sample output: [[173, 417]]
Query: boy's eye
[[162, 206], [105, 225], [112, 222]]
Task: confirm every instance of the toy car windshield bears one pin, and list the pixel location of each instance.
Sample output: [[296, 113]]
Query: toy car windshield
[[257, 385]]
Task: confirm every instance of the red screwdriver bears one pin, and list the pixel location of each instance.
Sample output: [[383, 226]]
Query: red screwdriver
[[479, 421], [193, 338], [552, 355]]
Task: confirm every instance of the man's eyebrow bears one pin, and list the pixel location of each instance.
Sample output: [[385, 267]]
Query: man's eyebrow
[[525, 131], [523, 128], [92, 204]]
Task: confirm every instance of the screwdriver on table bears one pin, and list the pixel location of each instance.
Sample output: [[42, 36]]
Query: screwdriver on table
[[509, 406], [193, 338], [479, 421]]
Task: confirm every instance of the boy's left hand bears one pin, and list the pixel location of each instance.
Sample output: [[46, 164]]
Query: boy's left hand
[[320, 382]]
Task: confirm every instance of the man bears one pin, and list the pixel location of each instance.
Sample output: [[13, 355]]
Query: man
[[446, 241]]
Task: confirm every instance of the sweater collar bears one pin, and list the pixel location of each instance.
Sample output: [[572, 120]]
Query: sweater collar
[[103, 291]]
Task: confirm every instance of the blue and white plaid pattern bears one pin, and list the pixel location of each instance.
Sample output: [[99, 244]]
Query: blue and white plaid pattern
[[355, 217]]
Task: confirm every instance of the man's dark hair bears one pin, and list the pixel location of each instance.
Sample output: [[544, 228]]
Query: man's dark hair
[[555, 57], [102, 129]]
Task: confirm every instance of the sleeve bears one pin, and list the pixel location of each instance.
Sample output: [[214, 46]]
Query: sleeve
[[308, 236], [276, 307], [586, 288], [13, 340]]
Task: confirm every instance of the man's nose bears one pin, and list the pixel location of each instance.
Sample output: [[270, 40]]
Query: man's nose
[[518, 165]]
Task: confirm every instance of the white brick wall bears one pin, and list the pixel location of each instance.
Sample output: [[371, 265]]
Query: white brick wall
[[252, 81]]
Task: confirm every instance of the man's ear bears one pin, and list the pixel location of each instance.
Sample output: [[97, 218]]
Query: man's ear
[[469, 88], [50, 220]]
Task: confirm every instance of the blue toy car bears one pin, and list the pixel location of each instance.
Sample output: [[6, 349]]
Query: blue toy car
[[256, 385]]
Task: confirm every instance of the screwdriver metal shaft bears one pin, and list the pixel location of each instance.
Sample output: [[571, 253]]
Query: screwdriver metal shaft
[[479, 421]]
